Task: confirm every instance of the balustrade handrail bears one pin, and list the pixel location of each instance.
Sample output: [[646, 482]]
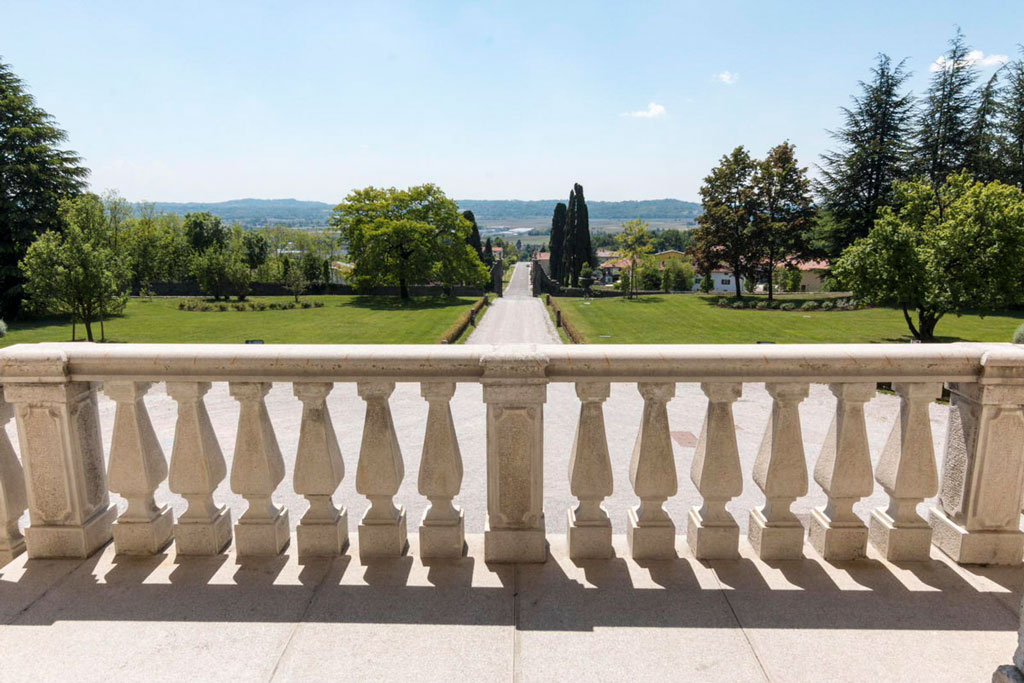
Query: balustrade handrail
[[814, 363]]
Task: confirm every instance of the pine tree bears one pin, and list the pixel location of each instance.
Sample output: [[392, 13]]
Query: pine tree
[[1012, 124], [873, 150], [474, 236], [983, 161], [35, 175], [557, 241], [945, 125]]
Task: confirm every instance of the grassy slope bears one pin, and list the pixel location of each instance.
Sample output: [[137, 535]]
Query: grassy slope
[[691, 319], [342, 320]]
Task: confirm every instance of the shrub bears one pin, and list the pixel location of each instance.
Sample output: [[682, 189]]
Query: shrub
[[739, 304], [273, 305], [774, 305], [306, 304], [222, 307], [762, 305], [1018, 335], [239, 306], [788, 306], [827, 305], [318, 304], [206, 308], [722, 301], [181, 305], [261, 306], [3, 328], [288, 306], [809, 306]]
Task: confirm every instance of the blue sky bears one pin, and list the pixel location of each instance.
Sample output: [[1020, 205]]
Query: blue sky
[[209, 101]]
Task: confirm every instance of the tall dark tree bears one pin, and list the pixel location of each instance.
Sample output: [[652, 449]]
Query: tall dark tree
[[35, 175], [474, 236], [873, 145], [577, 248], [488, 252], [557, 241], [983, 160], [783, 211], [945, 125], [1012, 123], [724, 229]]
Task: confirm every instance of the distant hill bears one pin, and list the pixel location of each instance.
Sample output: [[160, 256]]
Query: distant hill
[[659, 209], [298, 213]]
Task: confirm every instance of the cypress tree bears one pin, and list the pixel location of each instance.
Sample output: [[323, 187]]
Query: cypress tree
[[474, 236], [873, 151], [569, 240], [488, 252], [1012, 124], [584, 250], [945, 126], [35, 175], [557, 240]]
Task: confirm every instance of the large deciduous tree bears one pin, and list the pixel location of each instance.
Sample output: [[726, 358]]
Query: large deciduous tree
[[406, 237], [872, 152], [945, 125], [204, 230], [783, 213], [36, 174], [952, 249], [76, 271], [725, 228], [556, 244]]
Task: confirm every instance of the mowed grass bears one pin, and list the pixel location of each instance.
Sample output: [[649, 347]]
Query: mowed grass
[[695, 319], [341, 320]]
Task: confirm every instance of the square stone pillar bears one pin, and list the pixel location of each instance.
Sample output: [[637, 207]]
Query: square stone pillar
[[515, 389], [978, 517], [62, 454]]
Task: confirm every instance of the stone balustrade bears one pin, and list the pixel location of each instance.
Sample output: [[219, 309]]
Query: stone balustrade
[[64, 475]]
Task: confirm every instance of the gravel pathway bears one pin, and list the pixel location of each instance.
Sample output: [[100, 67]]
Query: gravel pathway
[[517, 317]]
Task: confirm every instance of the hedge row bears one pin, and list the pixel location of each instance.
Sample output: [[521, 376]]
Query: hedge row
[[453, 333], [574, 336], [206, 307]]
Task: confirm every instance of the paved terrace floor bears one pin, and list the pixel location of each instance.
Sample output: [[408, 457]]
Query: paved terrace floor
[[680, 620]]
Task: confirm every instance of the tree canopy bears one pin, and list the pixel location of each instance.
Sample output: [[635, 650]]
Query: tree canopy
[[952, 249], [406, 237], [36, 174]]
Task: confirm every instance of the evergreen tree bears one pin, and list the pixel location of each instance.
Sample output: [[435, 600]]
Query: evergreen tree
[[488, 253], [557, 241], [1012, 124], [577, 248], [35, 175], [946, 122], [857, 178], [983, 160], [474, 236]]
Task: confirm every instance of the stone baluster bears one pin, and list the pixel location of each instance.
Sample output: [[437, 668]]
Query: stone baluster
[[906, 470], [712, 533], [514, 389], [843, 471], [590, 477], [257, 469], [650, 532], [978, 518], [13, 500], [781, 473], [137, 467], [197, 467], [443, 530], [62, 453], [382, 531], [319, 469]]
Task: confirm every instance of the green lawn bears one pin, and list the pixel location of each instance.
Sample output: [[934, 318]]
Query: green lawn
[[694, 319], [342, 320]]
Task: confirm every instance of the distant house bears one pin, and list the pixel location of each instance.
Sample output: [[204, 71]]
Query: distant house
[[497, 251], [721, 281], [812, 275], [612, 269]]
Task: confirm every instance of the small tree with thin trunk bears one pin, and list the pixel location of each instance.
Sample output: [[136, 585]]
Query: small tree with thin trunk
[[634, 243]]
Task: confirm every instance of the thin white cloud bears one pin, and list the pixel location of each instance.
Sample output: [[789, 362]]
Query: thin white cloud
[[727, 77], [973, 58], [653, 111]]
